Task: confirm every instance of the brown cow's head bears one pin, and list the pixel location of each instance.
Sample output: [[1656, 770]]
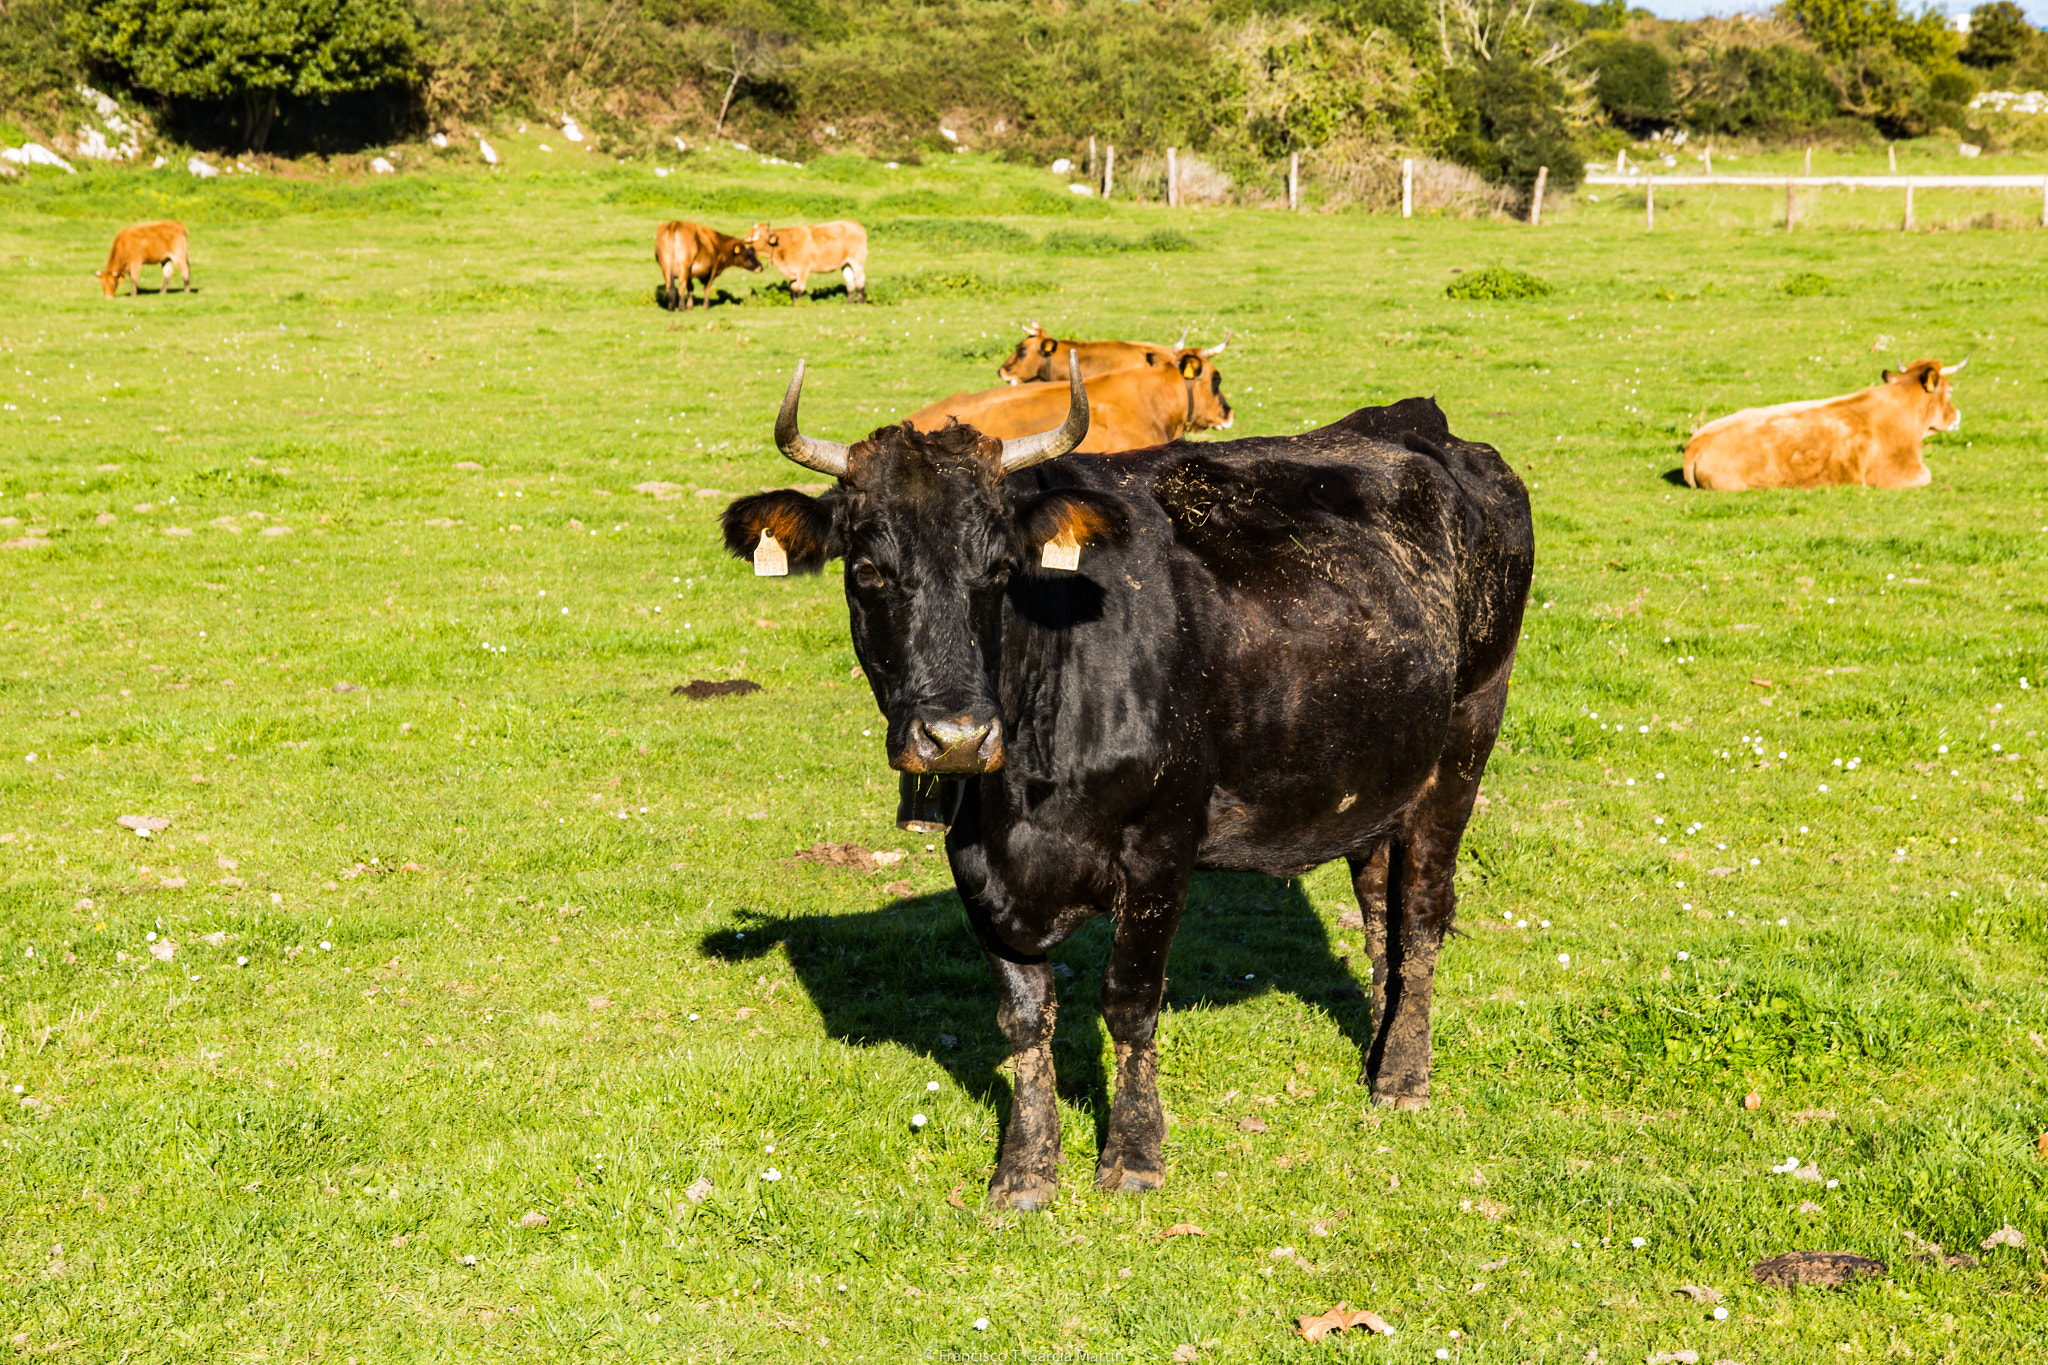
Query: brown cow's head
[[931, 531], [109, 281], [1926, 384], [1207, 407], [1033, 358], [735, 251]]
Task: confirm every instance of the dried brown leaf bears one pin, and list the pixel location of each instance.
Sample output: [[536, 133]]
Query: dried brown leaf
[[1181, 1230]]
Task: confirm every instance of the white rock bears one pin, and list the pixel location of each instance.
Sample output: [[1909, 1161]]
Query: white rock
[[35, 154], [490, 153], [158, 164], [948, 133], [201, 169], [1062, 166], [382, 167], [571, 131], [1969, 149], [439, 139], [1084, 190]]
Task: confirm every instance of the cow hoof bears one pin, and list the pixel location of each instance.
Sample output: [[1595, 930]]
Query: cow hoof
[[1391, 1101], [1121, 1179], [1023, 1193]]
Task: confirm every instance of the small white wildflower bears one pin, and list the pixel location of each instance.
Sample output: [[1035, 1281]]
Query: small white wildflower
[[1720, 1314], [1637, 1242], [771, 1175], [932, 1086], [325, 946], [1564, 959], [1685, 957], [981, 1324], [918, 1120], [1546, 924], [1784, 923], [241, 962]]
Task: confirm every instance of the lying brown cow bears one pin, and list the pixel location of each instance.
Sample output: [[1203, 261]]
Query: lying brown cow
[[147, 244], [800, 252], [1871, 437], [1132, 409], [691, 251], [1041, 356]]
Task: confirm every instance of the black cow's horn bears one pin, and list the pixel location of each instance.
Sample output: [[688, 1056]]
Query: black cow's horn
[[1027, 451], [827, 457]]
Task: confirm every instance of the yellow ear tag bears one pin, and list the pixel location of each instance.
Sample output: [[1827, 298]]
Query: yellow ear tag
[[770, 559], [1063, 552]]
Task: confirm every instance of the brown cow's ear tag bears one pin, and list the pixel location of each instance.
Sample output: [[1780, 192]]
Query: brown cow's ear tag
[[1061, 552], [770, 559]]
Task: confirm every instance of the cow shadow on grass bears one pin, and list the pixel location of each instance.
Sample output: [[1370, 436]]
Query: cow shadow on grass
[[912, 975], [1675, 477]]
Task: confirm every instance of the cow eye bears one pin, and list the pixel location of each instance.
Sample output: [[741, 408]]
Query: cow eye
[[866, 574]]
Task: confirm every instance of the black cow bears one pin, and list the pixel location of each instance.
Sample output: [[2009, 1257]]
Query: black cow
[[1275, 652]]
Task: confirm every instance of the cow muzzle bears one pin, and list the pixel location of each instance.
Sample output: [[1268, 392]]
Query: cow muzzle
[[958, 746]]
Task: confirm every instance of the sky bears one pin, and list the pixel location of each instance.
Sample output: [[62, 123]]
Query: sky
[[2037, 10]]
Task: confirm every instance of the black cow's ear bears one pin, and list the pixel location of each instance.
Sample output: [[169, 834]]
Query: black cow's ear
[[1073, 516], [800, 523]]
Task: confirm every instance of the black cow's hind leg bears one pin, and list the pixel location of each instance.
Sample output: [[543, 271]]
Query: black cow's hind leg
[[1131, 989], [1027, 1173], [1411, 880]]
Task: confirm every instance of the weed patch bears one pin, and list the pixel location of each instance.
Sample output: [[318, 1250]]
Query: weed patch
[[1498, 282]]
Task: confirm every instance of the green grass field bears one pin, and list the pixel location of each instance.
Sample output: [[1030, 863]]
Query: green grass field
[[463, 919]]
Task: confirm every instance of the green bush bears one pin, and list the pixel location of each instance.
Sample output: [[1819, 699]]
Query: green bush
[[1807, 284], [962, 234], [1632, 81], [1498, 282], [1074, 242], [1761, 91]]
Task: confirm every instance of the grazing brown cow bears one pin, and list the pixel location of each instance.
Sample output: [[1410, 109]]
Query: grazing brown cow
[[1041, 356], [1869, 437], [147, 244], [691, 251], [800, 252], [1132, 409]]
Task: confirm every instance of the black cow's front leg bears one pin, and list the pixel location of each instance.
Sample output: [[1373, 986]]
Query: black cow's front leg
[[1131, 989], [1027, 1173]]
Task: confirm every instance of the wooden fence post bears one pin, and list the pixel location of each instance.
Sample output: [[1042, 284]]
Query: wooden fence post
[[1710, 161], [1788, 206], [1108, 170], [1536, 199], [1650, 206], [1891, 155], [1091, 158], [1294, 181], [1408, 187], [1172, 181], [1809, 158], [1908, 225], [2044, 203]]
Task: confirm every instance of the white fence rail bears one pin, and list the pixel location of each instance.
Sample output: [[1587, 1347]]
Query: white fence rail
[[1639, 180]]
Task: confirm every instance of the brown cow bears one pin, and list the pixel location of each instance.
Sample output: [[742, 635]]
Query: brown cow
[[691, 251], [799, 252], [1041, 356], [147, 244], [1132, 409], [1870, 437]]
